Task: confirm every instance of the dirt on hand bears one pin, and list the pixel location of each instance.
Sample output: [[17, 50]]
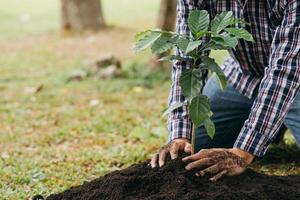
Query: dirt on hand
[[173, 182]]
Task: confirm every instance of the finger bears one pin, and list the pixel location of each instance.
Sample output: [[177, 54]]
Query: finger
[[154, 161], [174, 151], [236, 171], [199, 163], [188, 148], [210, 170], [193, 157], [162, 157], [197, 156], [219, 175]]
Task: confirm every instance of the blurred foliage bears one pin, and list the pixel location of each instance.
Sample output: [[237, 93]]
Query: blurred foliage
[[21, 17], [144, 76]]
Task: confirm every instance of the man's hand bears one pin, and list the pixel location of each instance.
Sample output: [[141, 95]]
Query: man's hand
[[172, 148], [219, 162]]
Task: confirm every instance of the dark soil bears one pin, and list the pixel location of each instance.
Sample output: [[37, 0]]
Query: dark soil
[[173, 182]]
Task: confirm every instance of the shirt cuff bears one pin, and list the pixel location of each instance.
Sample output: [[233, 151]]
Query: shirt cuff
[[179, 128], [252, 142]]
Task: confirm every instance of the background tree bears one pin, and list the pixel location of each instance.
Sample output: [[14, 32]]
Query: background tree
[[79, 15], [166, 21]]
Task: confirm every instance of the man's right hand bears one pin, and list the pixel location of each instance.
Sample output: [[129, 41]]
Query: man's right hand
[[172, 148]]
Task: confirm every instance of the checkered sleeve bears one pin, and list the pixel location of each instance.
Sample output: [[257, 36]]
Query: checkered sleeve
[[278, 87], [179, 124]]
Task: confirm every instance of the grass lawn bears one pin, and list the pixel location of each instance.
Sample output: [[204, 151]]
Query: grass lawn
[[68, 133]]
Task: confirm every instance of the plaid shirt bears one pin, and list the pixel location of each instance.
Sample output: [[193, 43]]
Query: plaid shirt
[[272, 63]]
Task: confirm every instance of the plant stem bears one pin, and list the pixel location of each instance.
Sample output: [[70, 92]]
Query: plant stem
[[193, 139]]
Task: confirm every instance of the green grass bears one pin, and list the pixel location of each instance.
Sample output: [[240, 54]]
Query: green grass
[[56, 138], [58, 128], [59, 137]]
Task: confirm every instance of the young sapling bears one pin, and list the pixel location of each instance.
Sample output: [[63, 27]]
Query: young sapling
[[220, 33]]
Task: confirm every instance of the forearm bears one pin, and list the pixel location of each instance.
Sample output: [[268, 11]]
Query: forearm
[[278, 87], [268, 112]]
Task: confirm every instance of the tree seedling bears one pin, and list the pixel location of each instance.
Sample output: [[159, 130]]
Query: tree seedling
[[220, 33]]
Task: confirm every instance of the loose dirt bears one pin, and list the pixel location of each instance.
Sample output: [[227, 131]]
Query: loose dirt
[[173, 182]]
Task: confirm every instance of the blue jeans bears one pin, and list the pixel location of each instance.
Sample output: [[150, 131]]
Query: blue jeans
[[231, 110]]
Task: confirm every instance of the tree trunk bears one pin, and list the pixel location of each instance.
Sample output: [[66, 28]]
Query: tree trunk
[[166, 21], [167, 15], [82, 15]]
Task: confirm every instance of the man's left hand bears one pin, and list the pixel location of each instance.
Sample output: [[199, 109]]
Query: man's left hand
[[219, 162]]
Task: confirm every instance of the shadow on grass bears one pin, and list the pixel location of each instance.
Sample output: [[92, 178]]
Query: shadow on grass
[[281, 154]]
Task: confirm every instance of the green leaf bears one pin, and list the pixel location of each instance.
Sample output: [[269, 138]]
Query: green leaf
[[174, 58], [146, 39], [230, 41], [225, 41], [162, 44], [221, 21], [198, 21], [210, 127], [210, 64], [238, 21], [142, 34], [199, 110], [240, 33], [182, 43], [173, 107], [191, 83], [202, 33], [216, 46], [193, 45]]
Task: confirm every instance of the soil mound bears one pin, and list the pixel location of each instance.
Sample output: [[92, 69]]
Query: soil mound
[[173, 182]]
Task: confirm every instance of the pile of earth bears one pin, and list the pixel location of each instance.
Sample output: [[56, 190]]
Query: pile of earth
[[173, 182]]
